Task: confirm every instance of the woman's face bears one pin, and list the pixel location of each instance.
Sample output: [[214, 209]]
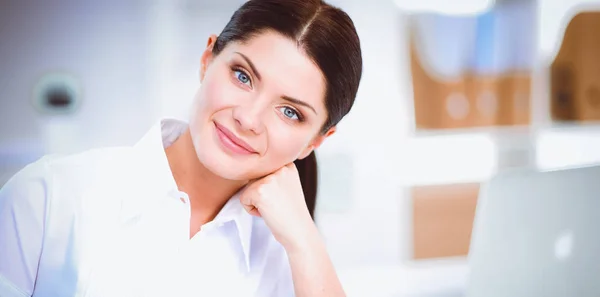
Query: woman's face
[[260, 107]]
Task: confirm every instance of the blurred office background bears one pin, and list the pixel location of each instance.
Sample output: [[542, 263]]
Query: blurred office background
[[453, 92]]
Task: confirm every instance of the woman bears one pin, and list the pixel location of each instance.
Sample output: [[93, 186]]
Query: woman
[[215, 207]]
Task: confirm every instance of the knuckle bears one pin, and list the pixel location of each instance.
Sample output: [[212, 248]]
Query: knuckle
[[261, 190]]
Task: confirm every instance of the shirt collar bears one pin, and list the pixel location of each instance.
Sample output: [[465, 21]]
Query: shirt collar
[[234, 211], [151, 149]]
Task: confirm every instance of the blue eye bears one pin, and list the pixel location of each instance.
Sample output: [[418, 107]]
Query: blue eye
[[290, 113], [242, 77]]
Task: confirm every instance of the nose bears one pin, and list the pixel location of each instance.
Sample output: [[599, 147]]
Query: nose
[[249, 117]]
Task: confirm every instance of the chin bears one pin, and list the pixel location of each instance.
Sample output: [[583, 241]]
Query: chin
[[227, 169], [225, 166]]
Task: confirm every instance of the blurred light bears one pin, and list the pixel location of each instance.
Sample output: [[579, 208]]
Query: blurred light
[[458, 7], [450, 159]]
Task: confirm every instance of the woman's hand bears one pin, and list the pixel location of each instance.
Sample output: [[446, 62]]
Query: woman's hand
[[279, 200]]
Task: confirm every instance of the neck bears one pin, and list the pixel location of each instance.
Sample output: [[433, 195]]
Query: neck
[[208, 192]]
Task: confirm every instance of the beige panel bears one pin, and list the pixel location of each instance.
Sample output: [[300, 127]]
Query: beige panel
[[442, 219], [575, 72], [469, 100]]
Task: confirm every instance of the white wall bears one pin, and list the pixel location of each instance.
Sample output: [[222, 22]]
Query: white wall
[[104, 46], [133, 61], [374, 229]]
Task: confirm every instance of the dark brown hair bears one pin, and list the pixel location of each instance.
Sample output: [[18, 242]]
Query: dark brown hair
[[327, 35]]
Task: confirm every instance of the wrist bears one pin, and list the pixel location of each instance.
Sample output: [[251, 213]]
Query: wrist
[[309, 239]]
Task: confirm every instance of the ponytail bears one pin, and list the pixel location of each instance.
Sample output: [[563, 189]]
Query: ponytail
[[307, 170]]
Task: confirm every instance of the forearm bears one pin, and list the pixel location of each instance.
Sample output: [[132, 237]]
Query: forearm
[[313, 273]]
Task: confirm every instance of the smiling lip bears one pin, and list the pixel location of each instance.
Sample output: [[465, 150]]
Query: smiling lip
[[232, 142]]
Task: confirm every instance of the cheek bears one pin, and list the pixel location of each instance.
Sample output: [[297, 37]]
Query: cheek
[[285, 145], [216, 93]]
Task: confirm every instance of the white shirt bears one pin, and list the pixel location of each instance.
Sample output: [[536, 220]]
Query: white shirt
[[111, 222]]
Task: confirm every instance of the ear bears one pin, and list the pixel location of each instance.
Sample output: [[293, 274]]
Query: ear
[[207, 56], [316, 143]]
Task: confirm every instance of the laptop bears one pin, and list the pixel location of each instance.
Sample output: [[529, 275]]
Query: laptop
[[537, 234]]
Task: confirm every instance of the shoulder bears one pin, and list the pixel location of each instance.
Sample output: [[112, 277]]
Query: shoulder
[[53, 210], [90, 161], [28, 187], [65, 175], [95, 167]]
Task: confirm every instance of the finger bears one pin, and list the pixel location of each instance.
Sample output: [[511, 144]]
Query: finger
[[248, 207], [260, 178], [251, 209], [255, 212], [246, 200]]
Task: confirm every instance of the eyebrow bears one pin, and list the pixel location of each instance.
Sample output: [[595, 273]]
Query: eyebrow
[[299, 102], [250, 64], [287, 98]]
